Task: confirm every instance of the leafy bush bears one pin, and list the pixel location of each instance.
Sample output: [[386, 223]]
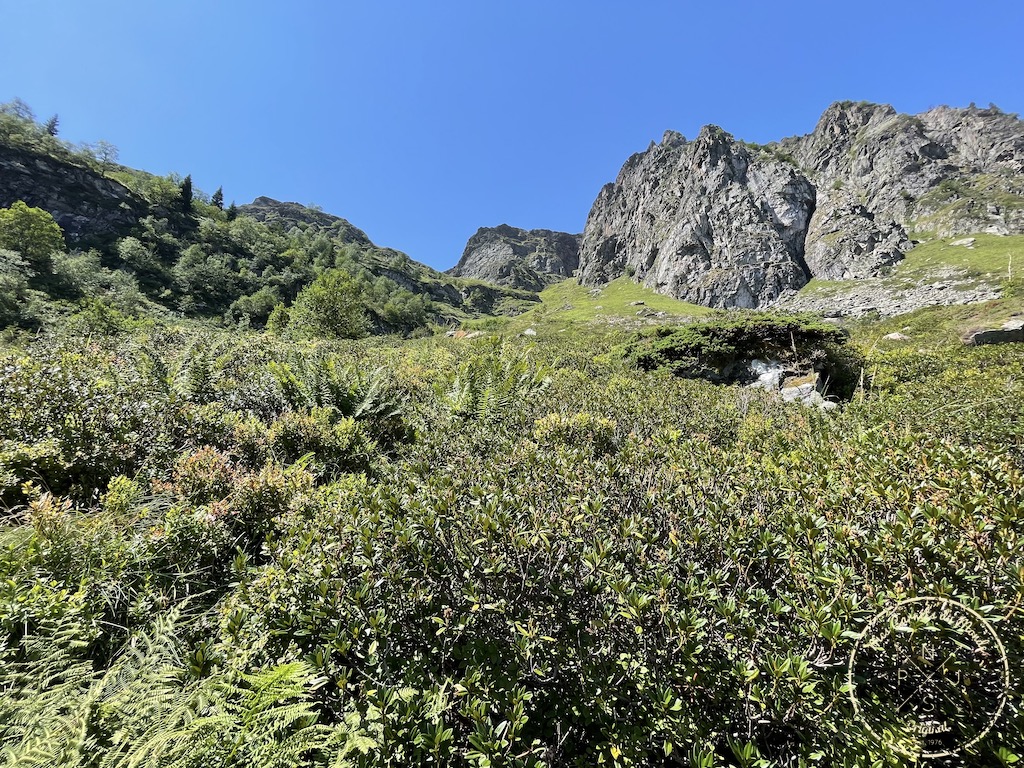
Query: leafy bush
[[578, 429], [718, 347], [572, 563]]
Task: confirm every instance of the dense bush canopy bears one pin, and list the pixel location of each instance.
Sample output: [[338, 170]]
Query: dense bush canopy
[[249, 551]]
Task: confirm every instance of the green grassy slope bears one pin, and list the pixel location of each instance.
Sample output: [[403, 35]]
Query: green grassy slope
[[990, 260], [568, 305]]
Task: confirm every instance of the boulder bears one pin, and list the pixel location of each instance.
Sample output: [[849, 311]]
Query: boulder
[[1011, 331]]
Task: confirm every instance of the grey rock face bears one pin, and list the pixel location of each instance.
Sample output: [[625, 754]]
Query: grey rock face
[[518, 258], [946, 170], [845, 240], [724, 224], [85, 204], [703, 221]]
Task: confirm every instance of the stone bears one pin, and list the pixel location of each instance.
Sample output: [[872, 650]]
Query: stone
[[703, 221], [805, 394], [846, 241], [724, 224], [517, 258], [89, 207], [769, 374], [530, 332], [967, 242], [1012, 332], [896, 336]]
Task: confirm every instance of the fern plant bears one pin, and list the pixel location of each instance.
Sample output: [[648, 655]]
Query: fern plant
[[149, 709], [487, 385], [323, 381]]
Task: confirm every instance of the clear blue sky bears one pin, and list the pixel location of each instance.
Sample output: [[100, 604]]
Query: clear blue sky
[[422, 121]]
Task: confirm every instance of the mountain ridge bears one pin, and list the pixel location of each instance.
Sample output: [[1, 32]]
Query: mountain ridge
[[725, 223], [519, 258]]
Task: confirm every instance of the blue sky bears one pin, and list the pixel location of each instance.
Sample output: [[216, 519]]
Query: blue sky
[[422, 121]]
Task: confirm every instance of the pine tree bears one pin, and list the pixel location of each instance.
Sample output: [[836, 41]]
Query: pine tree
[[218, 198], [186, 194], [232, 211], [51, 125]]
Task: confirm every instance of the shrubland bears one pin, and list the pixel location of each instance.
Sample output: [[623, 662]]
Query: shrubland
[[241, 549]]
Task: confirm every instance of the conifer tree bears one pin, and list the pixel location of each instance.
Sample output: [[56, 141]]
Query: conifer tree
[[186, 194], [218, 198]]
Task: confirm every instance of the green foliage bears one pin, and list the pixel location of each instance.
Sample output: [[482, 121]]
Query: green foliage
[[278, 319], [331, 307], [486, 386], [578, 429], [257, 309], [225, 549], [31, 232], [713, 348], [186, 195]]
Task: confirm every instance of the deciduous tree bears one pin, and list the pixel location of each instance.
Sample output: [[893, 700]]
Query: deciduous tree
[[32, 232], [331, 306]]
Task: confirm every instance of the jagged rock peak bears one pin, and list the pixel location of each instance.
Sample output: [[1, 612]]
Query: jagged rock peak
[[519, 258], [703, 221], [721, 223]]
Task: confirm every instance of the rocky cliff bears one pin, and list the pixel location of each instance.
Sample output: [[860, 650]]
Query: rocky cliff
[[87, 205], [705, 221], [722, 223], [519, 258]]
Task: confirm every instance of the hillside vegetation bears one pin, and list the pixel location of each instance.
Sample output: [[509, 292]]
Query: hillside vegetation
[[144, 246], [257, 509], [236, 550]]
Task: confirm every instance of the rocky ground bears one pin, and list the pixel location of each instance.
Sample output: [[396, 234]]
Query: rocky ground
[[886, 297]]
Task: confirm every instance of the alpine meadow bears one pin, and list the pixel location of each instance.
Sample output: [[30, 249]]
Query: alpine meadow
[[734, 476]]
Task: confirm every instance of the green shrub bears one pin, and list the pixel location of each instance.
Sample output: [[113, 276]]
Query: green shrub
[[717, 348], [204, 476], [571, 564], [576, 430], [337, 443]]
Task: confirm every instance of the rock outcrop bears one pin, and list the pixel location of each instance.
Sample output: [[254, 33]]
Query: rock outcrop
[[1012, 331], [87, 206], [519, 258], [721, 223], [704, 221]]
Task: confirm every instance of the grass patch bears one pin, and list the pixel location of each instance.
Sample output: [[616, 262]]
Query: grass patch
[[989, 259], [936, 326], [567, 304]]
